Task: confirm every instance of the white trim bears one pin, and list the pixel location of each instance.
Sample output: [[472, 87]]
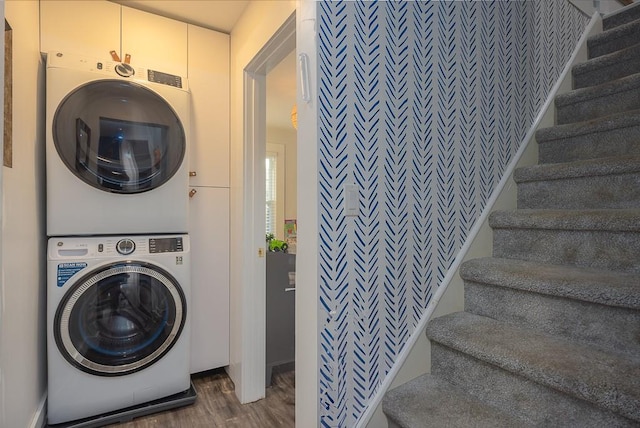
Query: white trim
[[40, 417], [2, 295], [636, 3], [603, 7], [307, 261], [253, 245], [504, 181]]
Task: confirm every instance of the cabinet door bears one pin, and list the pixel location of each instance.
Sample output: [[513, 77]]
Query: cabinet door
[[209, 309], [209, 83], [154, 41], [89, 28]]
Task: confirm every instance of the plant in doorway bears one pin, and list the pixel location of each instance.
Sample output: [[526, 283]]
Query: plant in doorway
[[276, 245]]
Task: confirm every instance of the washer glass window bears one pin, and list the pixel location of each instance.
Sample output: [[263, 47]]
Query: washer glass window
[[120, 319], [119, 136]]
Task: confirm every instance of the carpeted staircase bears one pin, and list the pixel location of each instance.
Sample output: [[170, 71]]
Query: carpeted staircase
[[550, 335]]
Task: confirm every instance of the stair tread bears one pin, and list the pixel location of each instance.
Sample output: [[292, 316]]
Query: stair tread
[[629, 29], [602, 124], [620, 85], [607, 67], [610, 220], [429, 398], [606, 60], [610, 380], [575, 169], [604, 287], [621, 16]]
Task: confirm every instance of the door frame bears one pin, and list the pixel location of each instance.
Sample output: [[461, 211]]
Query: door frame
[[282, 43]]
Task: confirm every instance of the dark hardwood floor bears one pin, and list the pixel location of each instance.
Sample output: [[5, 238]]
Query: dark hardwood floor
[[217, 406]]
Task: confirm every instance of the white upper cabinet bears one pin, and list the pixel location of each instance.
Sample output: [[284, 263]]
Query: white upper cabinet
[[94, 28], [154, 41], [209, 84], [89, 28]]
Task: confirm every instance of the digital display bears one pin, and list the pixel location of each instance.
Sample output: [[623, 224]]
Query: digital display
[[164, 78], [165, 245]]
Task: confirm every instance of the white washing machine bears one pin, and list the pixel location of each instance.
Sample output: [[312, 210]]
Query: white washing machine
[[118, 330], [117, 140]]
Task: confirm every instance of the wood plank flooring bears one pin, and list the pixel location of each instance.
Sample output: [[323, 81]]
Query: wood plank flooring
[[217, 406]]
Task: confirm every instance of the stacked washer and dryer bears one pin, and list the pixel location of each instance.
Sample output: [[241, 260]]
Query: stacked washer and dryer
[[118, 282]]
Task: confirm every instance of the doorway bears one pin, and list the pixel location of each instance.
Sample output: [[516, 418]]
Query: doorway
[[280, 216], [253, 281]]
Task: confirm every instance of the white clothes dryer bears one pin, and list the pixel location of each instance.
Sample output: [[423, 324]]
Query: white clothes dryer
[[116, 149], [118, 331]]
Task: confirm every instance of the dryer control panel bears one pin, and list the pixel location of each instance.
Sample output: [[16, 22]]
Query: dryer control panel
[[115, 69]]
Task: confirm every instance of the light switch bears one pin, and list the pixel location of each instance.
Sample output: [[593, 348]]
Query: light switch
[[351, 200]]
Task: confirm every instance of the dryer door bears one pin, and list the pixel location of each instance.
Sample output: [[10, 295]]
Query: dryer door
[[120, 318], [119, 136]]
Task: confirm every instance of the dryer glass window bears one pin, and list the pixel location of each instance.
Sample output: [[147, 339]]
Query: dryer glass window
[[120, 319], [119, 136]]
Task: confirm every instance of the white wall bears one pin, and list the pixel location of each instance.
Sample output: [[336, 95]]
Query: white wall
[[23, 351], [259, 22]]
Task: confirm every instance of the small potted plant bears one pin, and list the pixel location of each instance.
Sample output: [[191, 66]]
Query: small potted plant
[[276, 245]]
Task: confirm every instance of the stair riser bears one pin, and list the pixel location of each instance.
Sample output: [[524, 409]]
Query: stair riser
[[609, 44], [618, 142], [606, 191], [601, 74], [593, 108], [516, 395], [594, 324], [598, 249]]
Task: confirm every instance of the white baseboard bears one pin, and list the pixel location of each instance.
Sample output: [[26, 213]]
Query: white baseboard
[[40, 417]]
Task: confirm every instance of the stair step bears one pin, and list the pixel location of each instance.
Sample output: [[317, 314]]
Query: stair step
[[429, 401], [587, 184], [602, 239], [619, 37], [602, 100], [539, 378], [614, 135], [606, 68], [621, 16], [592, 306]]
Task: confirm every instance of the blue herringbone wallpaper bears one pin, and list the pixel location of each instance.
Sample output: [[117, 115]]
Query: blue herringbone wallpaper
[[422, 105]]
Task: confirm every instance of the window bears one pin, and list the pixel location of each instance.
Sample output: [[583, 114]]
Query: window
[[274, 191], [271, 191]]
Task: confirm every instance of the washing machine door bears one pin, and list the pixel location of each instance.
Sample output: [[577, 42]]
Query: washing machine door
[[120, 318], [119, 136]]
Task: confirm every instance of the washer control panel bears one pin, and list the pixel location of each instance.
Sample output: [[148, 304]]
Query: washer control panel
[[165, 245], [125, 246], [84, 248]]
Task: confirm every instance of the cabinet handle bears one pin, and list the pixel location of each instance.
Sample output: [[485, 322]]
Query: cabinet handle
[[289, 289], [192, 193], [192, 173]]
